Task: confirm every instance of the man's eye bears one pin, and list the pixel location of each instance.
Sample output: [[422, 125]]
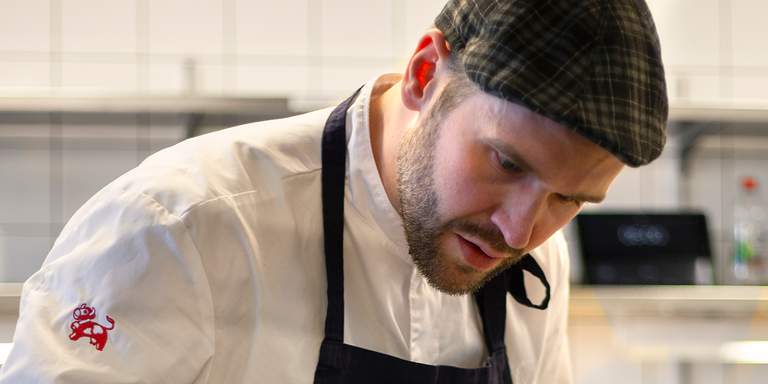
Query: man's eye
[[507, 164]]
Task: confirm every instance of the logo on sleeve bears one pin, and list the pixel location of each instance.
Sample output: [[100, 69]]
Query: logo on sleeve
[[85, 326]]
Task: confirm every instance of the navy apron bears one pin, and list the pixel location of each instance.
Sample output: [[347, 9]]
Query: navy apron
[[341, 363]]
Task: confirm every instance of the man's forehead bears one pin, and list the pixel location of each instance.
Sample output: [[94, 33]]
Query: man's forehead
[[508, 116], [535, 141]]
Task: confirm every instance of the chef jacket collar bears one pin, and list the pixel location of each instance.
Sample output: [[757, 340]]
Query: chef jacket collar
[[366, 190]]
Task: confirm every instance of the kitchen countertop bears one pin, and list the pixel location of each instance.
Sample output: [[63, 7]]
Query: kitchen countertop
[[696, 301]]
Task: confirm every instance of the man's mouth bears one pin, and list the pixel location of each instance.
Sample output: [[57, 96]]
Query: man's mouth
[[477, 254]]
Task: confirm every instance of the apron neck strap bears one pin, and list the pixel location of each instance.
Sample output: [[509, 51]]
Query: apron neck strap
[[516, 283], [491, 299], [334, 156], [492, 305]]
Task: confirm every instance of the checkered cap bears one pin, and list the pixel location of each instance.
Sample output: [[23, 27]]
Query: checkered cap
[[592, 65]]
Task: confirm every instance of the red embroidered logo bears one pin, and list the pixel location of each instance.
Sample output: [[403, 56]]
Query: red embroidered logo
[[84, 326]]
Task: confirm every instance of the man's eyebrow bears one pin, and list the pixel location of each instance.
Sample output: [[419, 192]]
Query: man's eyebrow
[[510, 153]]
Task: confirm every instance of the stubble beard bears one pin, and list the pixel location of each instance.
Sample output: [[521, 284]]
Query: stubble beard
[[422, 223]]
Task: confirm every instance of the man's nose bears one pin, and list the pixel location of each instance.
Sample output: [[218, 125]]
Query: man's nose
[[517, 215]]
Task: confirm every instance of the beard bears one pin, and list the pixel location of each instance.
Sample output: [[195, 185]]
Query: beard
[[424, 228]]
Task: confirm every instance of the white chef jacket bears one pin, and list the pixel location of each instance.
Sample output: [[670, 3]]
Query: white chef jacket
[[209, 259]]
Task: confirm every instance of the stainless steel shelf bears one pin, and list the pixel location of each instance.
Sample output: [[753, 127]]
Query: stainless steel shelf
[[711, 112], [143, 104], [692, 121], [9, 298], [191, 111]]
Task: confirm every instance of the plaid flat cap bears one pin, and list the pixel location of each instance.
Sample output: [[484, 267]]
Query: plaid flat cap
[[591, 65]]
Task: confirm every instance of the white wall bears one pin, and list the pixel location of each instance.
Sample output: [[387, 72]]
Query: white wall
[[300, 48]]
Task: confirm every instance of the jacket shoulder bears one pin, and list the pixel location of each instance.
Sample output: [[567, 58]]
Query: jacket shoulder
[[254, 157]]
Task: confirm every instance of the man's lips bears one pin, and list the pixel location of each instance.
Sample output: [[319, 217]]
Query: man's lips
[[490, 252], [476, 255]]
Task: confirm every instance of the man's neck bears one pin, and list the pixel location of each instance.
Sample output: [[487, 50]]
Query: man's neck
[[388, 120]]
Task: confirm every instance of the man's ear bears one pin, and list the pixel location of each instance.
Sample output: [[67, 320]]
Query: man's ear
[[417, 83]]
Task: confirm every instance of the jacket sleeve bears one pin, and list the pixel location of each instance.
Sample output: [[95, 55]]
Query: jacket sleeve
[[121, 298]]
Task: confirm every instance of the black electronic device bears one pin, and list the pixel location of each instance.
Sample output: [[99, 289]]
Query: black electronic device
[[644, 248]]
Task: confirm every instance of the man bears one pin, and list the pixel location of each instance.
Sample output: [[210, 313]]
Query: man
[[408, 235]]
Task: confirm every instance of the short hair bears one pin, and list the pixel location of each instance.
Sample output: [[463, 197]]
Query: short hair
[[458, 88]]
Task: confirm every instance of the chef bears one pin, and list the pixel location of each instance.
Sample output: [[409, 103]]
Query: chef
[[409, 234]]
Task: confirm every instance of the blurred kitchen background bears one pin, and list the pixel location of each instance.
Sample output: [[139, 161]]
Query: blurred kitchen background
[[88, 89]]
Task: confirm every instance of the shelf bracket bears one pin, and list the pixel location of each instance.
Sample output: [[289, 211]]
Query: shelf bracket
[[690, 133]]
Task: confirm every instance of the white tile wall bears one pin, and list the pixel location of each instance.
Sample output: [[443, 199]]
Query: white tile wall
[[186, 27], [689, 31], [211, 78], [24, 77], [666, 175], [24, 190], [302, 32], [266, 27], [652, 187], [340, 80], [415, 18], [272, 80], [698, 87], [750, 43], [98, 78], [167, 77], [357, 28], [623, 192], [751, 88], [20, 256], [25, 25], [85, 172], [99, 27]]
